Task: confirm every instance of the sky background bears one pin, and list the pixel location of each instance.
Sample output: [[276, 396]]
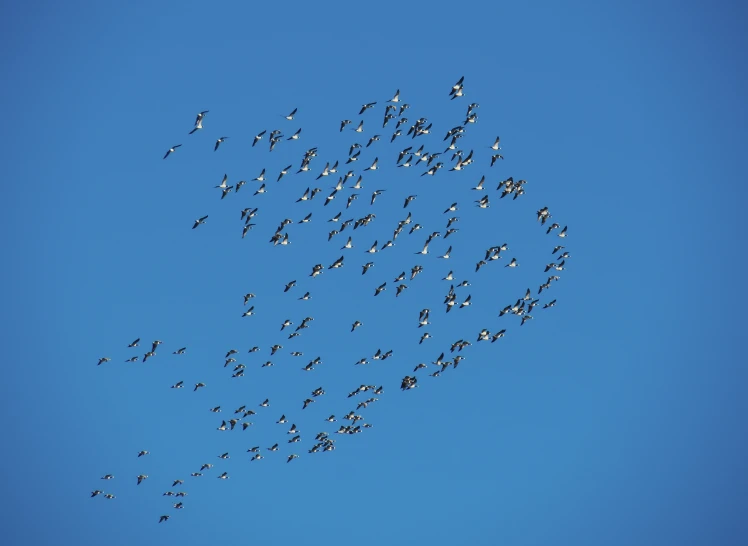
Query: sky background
[[614, 417]]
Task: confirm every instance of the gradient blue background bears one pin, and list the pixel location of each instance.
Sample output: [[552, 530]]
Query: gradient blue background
[[614, 418]]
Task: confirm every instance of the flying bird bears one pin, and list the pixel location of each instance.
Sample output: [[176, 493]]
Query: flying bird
[[366, 106], [199, 121], [219, 142], [171, 150]]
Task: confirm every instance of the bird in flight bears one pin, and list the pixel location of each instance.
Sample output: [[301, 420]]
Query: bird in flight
[[171, 150], [199, 121], [219, 142]]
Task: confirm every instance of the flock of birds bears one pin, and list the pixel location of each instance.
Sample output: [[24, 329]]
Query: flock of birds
[[428, 163]]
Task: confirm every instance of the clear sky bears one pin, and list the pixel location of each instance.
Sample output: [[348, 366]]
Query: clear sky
[[613, 418]]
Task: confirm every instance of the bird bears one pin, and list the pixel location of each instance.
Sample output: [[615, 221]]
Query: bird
[[219, 142], [284, 172], [199, 121], [366, 106], [290, 116], [200, 221], [257, 138], [171, 150]]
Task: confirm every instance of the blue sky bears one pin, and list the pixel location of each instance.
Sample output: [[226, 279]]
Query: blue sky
[[613, 417]]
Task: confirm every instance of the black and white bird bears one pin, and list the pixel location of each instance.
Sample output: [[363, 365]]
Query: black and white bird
[[373, 166], [171, 150], [200, 221], [366, 106], [284, 172], [258, 137], [199, 121], [447, 253], [219, 142]]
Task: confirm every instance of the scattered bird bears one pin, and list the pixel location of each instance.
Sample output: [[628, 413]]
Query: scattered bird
[[219, 142], [199, 121], [171, 150]]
